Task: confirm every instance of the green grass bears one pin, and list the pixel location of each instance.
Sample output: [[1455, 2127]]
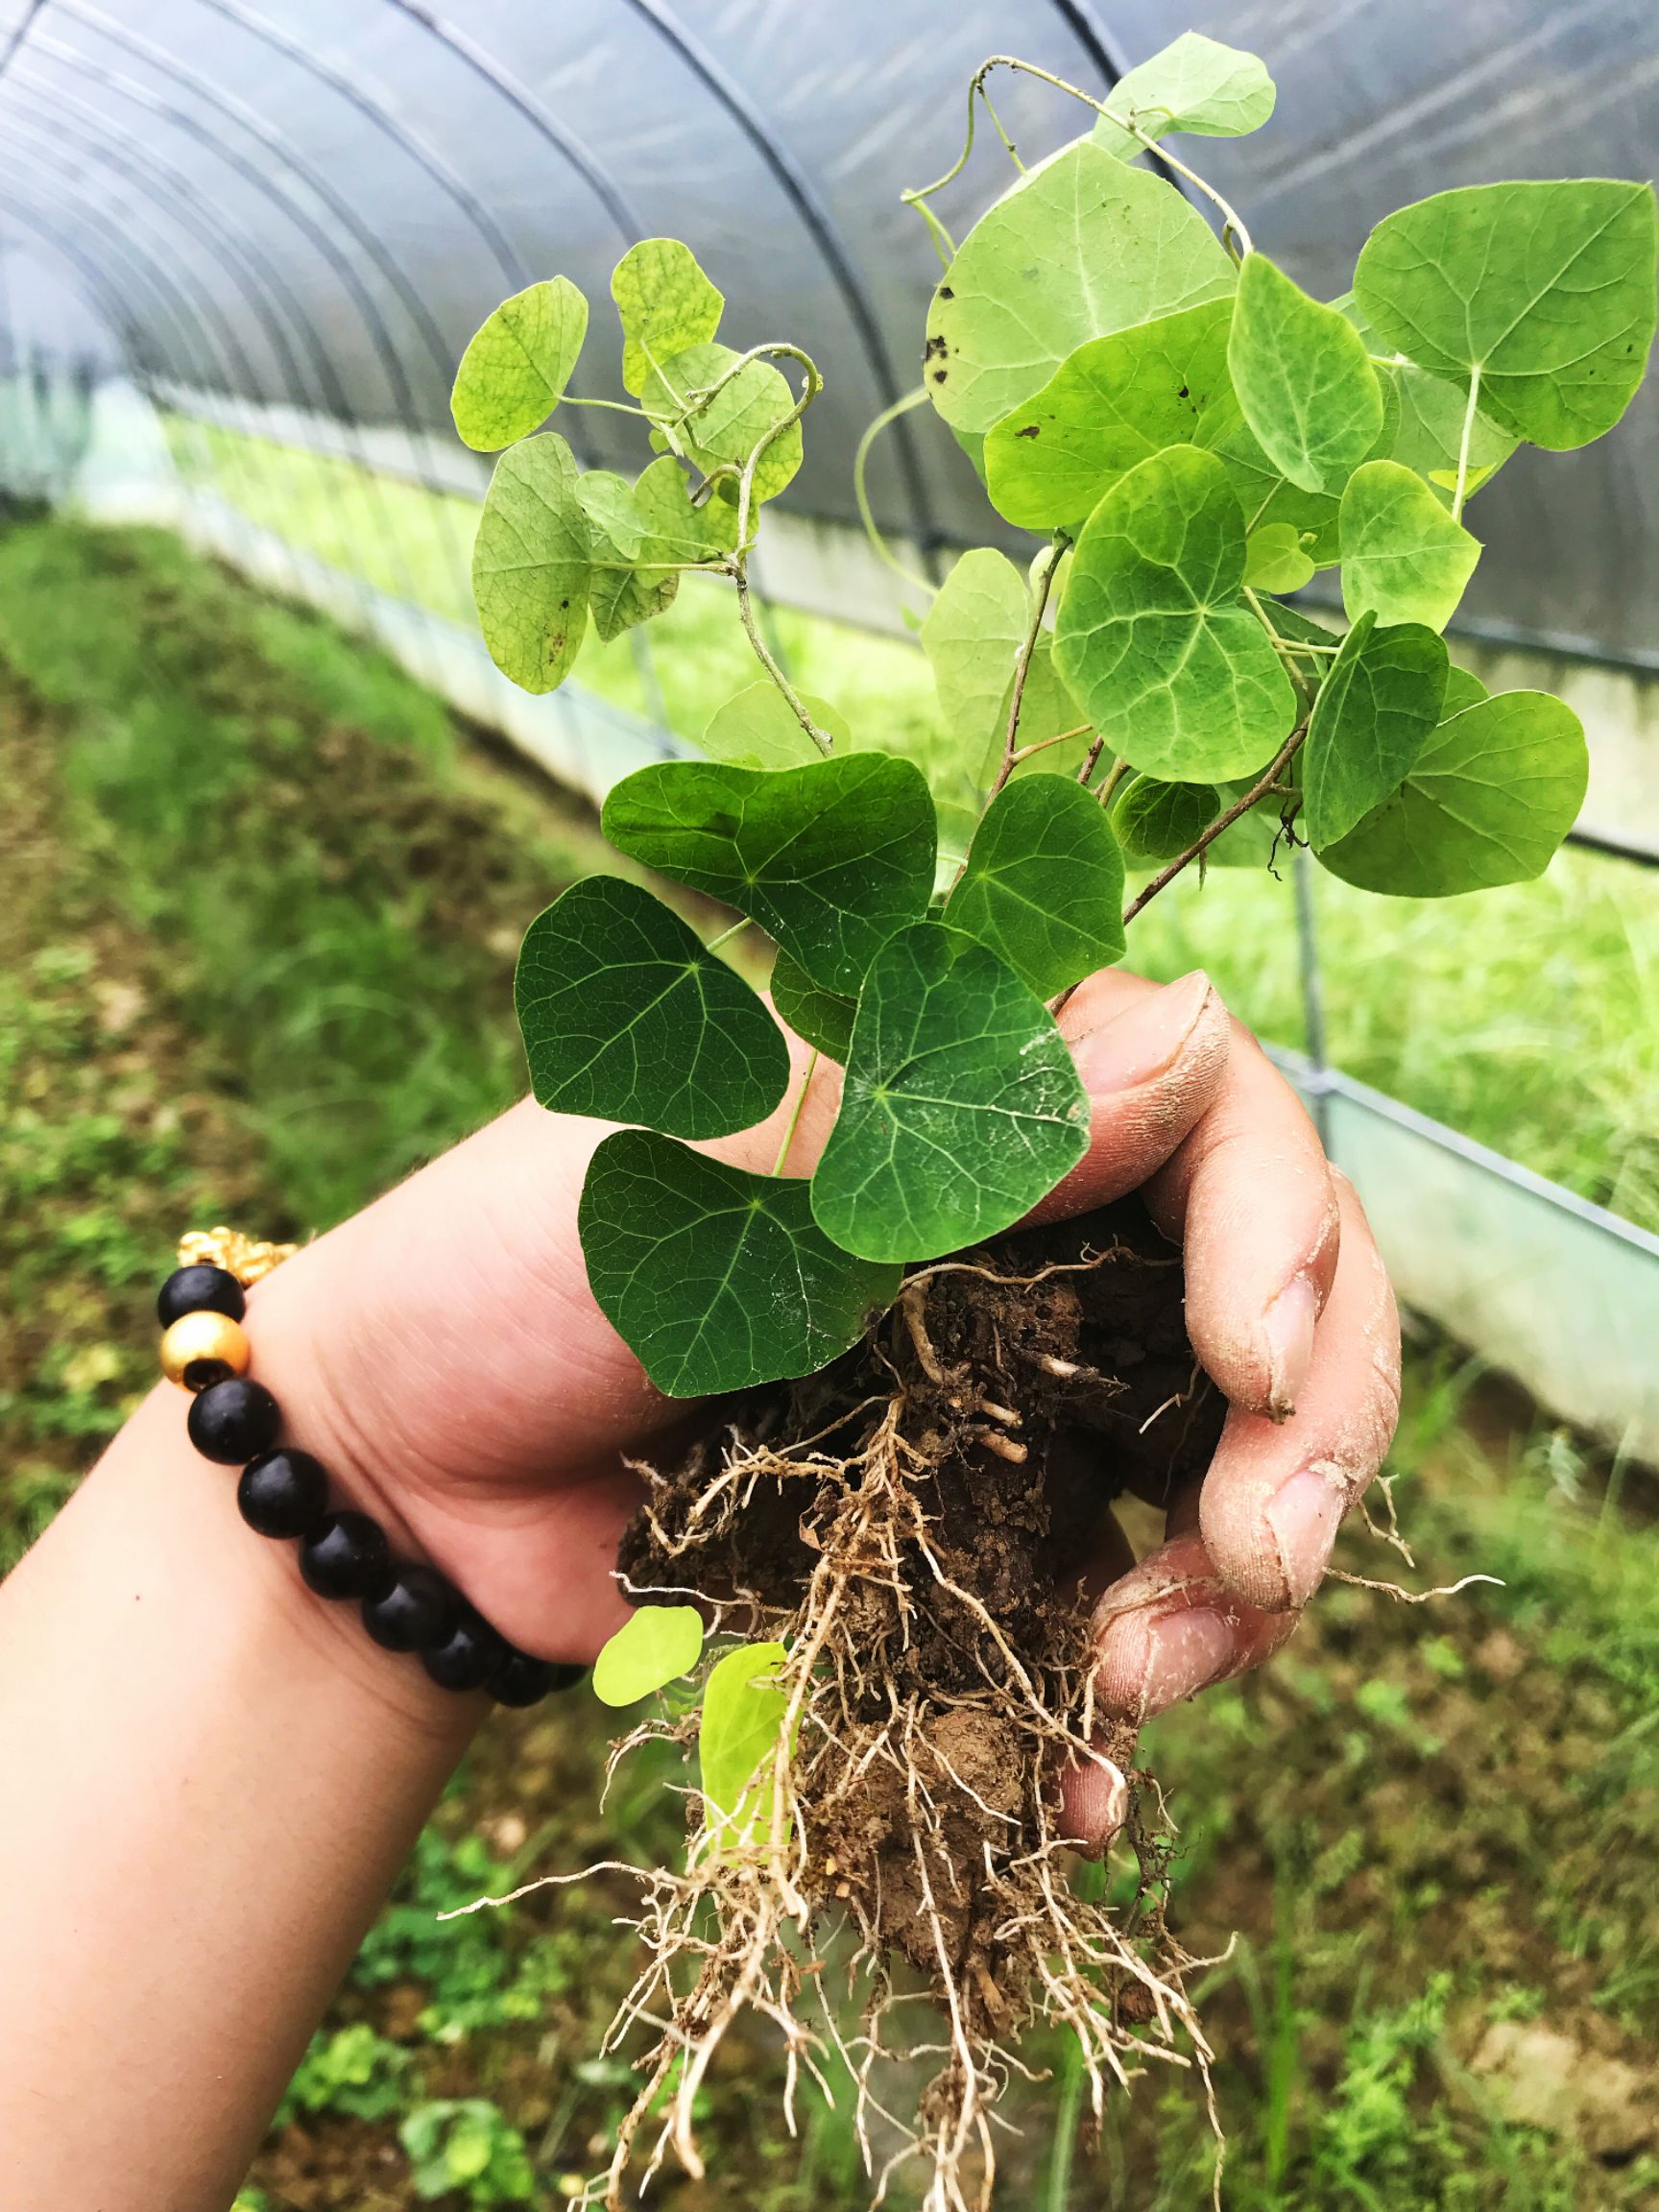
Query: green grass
[[254, 951], [1528, 1018], [287, 818]]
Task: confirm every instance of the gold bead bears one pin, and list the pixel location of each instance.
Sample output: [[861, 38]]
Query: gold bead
[[239, 1255], [203, 1347]]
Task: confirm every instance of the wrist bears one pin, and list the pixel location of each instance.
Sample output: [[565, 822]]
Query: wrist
[[315, 1451], [245, 1600]]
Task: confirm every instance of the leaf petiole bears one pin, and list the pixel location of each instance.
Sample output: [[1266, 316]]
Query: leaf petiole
[[1048, 561], [1461, 493], [1042, 744], [794, 1122], [861, 489], [1114, 776], [616, 406]]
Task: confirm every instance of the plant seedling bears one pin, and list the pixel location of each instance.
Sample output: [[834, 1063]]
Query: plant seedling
[[935, 1404]]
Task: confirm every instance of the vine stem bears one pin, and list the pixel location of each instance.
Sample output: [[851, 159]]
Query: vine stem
[[737, 567], [1233, 226], [1461, 493], [778, 1165], [1048, 561], [861, 489], [739, 574], [1259, 789]]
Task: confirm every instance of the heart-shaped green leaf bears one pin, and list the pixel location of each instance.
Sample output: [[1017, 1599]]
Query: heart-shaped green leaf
[[1081, 245], [1157, 821], [961, 1107], [666, 304], [829, 860], [1109, 404], [823, 1018], [530, 564], [1275, 559], [1303, 378], [1404, 559], [1376, 707], [736, 421], [1195, 84], [758, 729], [1492, 794], [513, 372], [1152, 637], [1043, 885], [715, 1278], [744, 1711], [655, 1646], [1546, 289], [627, 1015]]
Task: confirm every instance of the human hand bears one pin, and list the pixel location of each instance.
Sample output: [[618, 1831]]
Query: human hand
[[443, 1354]]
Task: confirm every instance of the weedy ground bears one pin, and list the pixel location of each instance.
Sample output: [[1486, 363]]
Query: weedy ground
[[244, 867]]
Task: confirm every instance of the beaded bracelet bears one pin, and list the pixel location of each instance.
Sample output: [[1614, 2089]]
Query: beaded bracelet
[[283, 1492]]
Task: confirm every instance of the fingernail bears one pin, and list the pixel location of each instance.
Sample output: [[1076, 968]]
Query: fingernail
[[1145, 1043], [1305, 1515], [1287, 1328], [1185, 1652]]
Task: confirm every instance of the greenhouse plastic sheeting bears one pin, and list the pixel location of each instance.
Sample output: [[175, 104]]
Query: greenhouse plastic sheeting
[[1554, 1291], [312, 202]]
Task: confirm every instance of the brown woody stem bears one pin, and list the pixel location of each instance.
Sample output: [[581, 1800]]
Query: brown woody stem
[[1259, 789]]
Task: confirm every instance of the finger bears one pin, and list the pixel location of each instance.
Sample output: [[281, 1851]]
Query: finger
[[1249, 1197], [1276, 1493], [1152, 1059], [1095, 1791], [1172, 1627], [1094, 1800]]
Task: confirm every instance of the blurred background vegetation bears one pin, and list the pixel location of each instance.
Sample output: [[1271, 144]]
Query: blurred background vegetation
[[262, 898]]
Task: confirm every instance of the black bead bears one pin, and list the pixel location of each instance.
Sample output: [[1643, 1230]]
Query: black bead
[[200, 1290], [520, 1680], [415, 1609], [468, 1656], [346, 1555], [283, 1494], [234, 1421]]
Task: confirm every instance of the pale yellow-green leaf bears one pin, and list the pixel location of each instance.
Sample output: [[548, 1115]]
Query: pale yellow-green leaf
[[666, 303], [513, 372], [1404, 559], [531, 571]]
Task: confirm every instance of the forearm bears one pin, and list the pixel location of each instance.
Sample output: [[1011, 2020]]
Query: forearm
[[211, 1780]]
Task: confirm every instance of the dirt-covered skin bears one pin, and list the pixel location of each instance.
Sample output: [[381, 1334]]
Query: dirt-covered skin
[[918, 1525]]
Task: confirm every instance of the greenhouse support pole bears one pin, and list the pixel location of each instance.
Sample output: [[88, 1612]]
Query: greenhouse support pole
[[1312, 989]]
